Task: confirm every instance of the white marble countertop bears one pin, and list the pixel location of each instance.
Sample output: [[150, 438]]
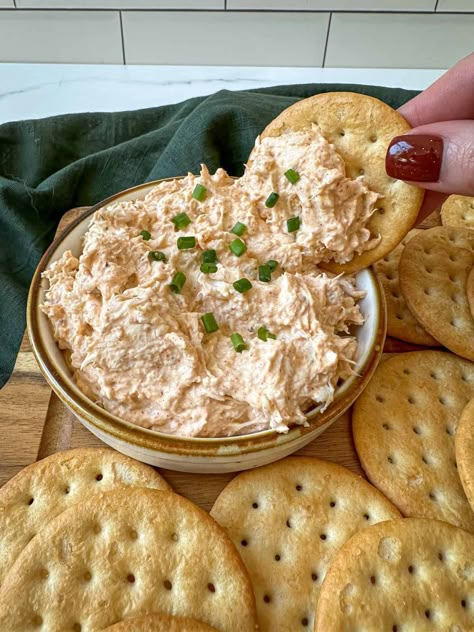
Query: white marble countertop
[[39, 90]]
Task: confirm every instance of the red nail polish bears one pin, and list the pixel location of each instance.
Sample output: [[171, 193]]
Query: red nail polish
[[415, 158]]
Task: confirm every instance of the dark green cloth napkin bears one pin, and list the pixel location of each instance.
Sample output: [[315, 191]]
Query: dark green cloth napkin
[[48, 166]]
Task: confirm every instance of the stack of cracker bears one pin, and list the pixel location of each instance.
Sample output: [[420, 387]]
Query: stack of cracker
[[428, 282], [90, 540]]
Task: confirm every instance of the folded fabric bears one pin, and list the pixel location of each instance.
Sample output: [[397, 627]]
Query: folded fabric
[[48, 166]]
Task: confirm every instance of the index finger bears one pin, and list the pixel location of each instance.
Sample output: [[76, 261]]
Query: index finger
[[450, 98]]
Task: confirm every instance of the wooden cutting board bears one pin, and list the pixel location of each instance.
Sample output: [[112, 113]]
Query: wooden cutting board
[[35, 424]]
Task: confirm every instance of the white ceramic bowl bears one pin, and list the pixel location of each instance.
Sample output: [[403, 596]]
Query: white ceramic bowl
[[193, 454]]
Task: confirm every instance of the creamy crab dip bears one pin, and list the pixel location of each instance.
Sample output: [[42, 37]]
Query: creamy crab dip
[[201, 310]]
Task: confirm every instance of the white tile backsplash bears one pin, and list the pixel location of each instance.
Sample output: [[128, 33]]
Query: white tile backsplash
[[377, 40], [334, 5], [61, 36], [7, 4], [240, 39], [455, 5], [120, 4]]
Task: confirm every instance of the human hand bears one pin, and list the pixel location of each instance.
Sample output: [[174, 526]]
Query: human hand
[[438, 153]]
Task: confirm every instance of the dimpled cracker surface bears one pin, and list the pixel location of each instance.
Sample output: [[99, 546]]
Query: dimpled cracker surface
[[464, 444], [46, 488], [433, 273], [160, 623], [401, 323], [410, 575], [361, 129], [288, 520], [404, 425], [458, 210], [123, 554]]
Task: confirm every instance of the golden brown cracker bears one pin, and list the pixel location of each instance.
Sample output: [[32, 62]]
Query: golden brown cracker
[[361, 129], [458, 210], [433, 272], [287, 520], [126, 553], [160, 623], [410, 574], [404, 425], [44, 489], [464, 444], [401, 323]]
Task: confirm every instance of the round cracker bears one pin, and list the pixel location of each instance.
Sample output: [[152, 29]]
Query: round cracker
[[122, 554], [464, 444], [361, 129], [409, 574], [287, 520], [433, 272], [401, 323], [160, 623], [44, 489], [404, 425], [470, 291], [458, 210]]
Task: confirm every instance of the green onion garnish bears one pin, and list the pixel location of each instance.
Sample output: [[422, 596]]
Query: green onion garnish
[[177, 283], [293, 224], [146, 235], [156, 255], [242, 285], [271, 200], [239, 229], [292, 175], [209, 256], [181, 220], [264, 334], [209, 322], [264, 274], [237, 247], [199, 192], [272, 264], [184, 243], [208, 268], [238, 342]]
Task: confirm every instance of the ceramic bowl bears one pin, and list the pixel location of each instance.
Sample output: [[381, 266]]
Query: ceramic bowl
[[193, 454]]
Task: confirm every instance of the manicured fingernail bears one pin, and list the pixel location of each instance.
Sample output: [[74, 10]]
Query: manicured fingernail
[[415, 158]]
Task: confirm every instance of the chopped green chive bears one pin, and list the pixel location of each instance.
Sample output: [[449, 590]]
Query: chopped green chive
[[237, 247], [239, 229], [181, 220], [199, 192], [264, 334], [146, 235], [242, 285], [271, 200], [238, 343], [156, 255], [209, 256], [272, 264], [208, 268], [293, 224], [177, 283], [264, 274], [292, 175], [209, 322], [185, 243]]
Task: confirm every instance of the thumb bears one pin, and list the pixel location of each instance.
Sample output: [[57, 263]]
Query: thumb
[[438, 157]]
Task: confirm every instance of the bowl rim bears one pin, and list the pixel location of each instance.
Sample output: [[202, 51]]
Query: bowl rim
[[106, 422]]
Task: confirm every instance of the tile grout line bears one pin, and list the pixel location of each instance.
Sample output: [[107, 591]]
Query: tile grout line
[[436, 6], [327, 41], [122, 38]]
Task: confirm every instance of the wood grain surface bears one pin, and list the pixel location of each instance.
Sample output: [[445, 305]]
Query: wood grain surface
[[35, 423]]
